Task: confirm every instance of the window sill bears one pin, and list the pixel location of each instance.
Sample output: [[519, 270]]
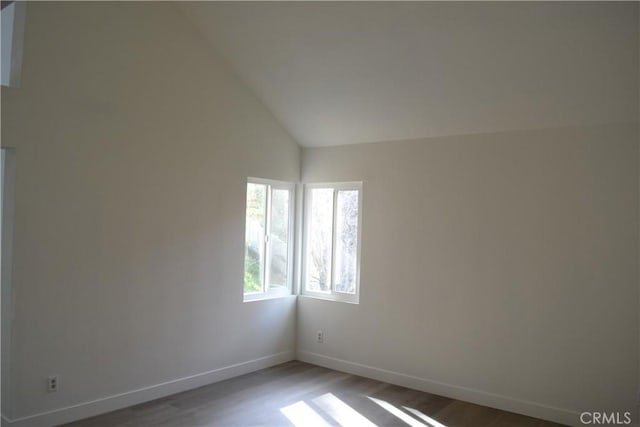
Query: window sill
[[354, 301], [262, 297]]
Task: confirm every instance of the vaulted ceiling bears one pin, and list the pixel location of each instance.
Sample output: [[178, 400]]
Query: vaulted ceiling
[[352, 72]]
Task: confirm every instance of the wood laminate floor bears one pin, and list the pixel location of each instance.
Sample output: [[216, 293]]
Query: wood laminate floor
[[303, 395]]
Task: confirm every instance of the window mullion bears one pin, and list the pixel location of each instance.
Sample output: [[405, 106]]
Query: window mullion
[[333, 240], [267, 242]]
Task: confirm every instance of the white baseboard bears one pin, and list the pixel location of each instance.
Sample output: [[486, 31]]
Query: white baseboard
[[134, 397], [479, 397]]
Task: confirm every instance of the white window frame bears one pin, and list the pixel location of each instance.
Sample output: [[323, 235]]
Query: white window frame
[[280, 291], [332, 295]]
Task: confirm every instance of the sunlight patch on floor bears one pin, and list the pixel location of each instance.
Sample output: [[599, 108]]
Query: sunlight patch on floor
[[398, 413], [424, 417], [344, 414], [302, 415]]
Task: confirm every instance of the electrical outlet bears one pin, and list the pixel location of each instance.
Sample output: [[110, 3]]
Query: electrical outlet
[[320, 337], [52, 383]]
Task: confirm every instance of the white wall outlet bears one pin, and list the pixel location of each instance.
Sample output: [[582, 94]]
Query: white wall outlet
[[52, 383], [320, 337]]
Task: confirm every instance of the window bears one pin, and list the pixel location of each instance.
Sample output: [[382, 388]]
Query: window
[[268, 264], [331, 267], [11, 42]]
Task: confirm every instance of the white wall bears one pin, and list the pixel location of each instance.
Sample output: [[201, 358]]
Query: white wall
[[497, 268], [7, 177], [133, 144]]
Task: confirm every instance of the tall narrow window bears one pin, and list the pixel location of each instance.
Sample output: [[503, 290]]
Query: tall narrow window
[[268, 239], [332, 241]]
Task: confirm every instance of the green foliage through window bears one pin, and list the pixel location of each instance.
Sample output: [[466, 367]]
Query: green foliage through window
[[267, 237]]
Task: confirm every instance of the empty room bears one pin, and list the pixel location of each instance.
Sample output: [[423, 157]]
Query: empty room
[[298, 214]]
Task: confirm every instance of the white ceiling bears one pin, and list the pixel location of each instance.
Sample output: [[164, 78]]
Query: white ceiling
[[352, 72]]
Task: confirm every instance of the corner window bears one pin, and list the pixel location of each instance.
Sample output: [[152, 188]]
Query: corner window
[[268, 264], [331, 266]]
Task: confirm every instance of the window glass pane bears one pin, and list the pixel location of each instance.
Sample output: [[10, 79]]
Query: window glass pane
[[318, 251], [254, 237], [344, 275], [279, 236]]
